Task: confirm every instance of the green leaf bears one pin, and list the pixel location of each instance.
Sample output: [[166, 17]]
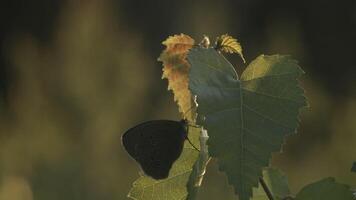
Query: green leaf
[[353, 168], [175, 186], [326, 189], [246, 119], [276, 181]]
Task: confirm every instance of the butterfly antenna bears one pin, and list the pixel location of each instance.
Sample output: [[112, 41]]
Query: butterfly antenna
[[191, 108], [193, 145]]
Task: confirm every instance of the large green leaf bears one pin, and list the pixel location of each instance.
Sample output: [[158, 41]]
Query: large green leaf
[[175, 186], [326, 189], [246, 119], [277, 183]]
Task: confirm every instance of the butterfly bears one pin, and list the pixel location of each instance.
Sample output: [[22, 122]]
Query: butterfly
[[156, 145]]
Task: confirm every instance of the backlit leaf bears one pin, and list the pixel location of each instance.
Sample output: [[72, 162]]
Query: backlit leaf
[[248, 118], [228, 44], [326, 189], [175, 70], [175, 186]]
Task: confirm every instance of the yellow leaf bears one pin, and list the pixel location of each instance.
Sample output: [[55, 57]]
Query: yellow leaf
[[228, 44]]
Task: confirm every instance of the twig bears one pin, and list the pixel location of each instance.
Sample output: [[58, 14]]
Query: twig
[[266, 189]]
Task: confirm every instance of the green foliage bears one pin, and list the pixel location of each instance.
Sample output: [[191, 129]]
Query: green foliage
[[246, 119], [243, 121], [173, 187], [326, 189]]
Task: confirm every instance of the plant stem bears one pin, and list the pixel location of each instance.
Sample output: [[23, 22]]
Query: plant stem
[[266, 189], [197, 175]]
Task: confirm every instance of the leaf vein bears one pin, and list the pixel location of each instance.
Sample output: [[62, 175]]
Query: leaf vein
[[266, 76], [266, 117], [268, 95], [210, 66], [223, 110]]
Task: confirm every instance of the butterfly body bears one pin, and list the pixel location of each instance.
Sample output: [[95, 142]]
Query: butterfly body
[[155, 145]]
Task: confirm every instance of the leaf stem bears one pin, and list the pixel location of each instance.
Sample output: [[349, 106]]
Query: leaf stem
[[266, 189]]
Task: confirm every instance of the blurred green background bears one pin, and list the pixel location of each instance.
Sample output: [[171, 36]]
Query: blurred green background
[[74, 75]]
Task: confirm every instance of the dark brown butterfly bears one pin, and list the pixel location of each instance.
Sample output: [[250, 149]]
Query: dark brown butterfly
[[155, 145]]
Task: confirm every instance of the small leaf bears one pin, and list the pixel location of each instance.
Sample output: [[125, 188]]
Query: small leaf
[[228, 44], [326, 189], [246, 119], [276, 181], [175, 69], [353, 168], [175, 186]]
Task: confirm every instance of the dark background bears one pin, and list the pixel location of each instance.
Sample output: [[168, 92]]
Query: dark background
[[74, 75]]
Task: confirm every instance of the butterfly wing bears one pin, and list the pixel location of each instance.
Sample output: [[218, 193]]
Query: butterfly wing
[[156, 145]]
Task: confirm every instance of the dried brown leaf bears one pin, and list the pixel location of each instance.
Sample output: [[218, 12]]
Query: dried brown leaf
[[176, 69]]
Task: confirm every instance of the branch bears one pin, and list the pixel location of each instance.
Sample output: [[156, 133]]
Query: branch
[[266, 189]]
